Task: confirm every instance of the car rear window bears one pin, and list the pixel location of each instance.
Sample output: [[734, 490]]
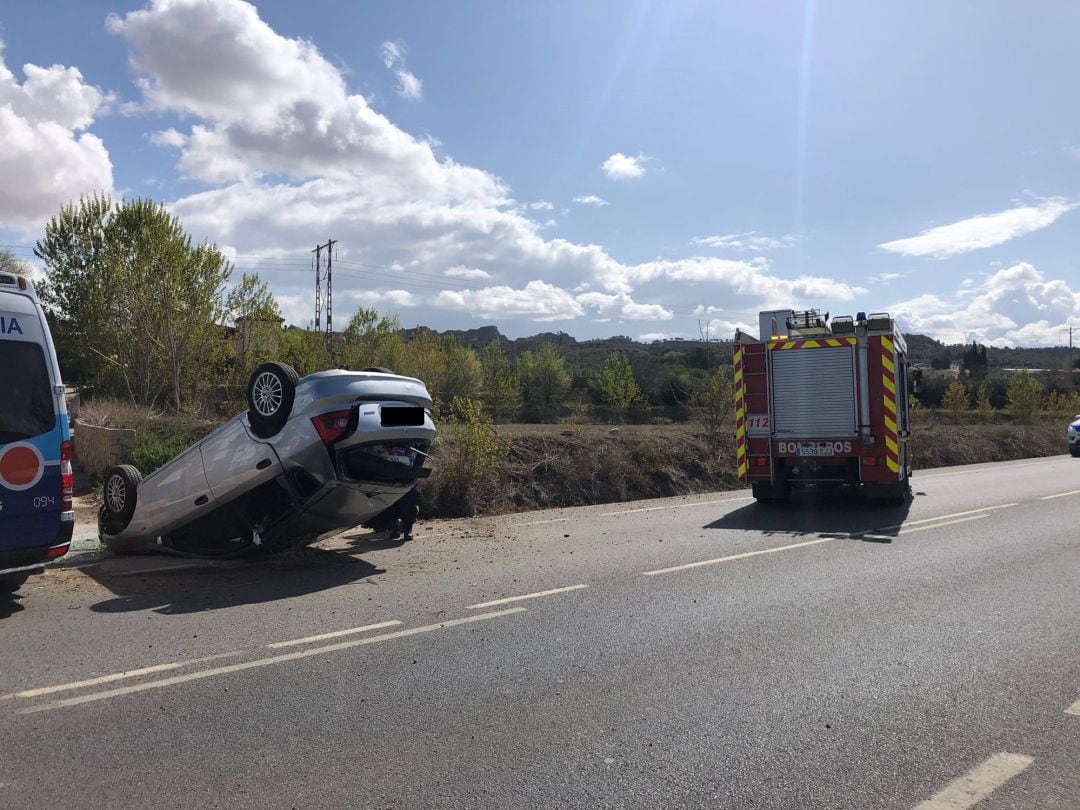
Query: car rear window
[[26, 406]]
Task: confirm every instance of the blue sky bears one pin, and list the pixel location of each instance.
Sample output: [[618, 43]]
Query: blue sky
[[598, 168]]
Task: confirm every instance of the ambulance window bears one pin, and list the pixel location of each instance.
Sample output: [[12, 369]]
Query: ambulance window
[[26, 406]]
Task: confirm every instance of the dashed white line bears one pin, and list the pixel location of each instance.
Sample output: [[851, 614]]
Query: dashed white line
[[334, 634], [117, 676], [906, 530], [675, 506], [978, 783], [907, 523], [537, 595], [1059, 495], [541, 522], [263, 662], [742, 556]]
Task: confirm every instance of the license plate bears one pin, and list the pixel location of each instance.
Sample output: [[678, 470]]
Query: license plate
[[815, 448]]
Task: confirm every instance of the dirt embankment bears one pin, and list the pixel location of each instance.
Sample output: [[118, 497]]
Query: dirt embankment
[[552, 466]]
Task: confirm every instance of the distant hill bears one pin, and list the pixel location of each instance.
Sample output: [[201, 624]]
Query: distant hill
[[586, 356]]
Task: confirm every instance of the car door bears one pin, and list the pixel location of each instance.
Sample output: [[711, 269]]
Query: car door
[[236, 463]]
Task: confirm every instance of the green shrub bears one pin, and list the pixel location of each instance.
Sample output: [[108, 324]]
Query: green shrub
[[153, 450]]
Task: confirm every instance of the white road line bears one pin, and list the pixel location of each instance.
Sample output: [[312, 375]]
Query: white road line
[[1074, 709], [675, 506], [536, 595], [940, 525], [335, 634], [262, 662], [1059, 495], [978, 783], [917, 478], [539, 522], [742, 556], [118, 676], [907, 523]]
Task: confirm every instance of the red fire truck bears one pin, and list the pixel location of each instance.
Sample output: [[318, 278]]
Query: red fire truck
[[821, 403]]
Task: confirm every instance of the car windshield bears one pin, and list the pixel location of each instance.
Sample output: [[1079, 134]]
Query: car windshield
[[26, 408]]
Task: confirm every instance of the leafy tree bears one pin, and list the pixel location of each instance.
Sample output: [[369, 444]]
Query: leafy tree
[[304, 350], [81, 288], [423, 357], [10, 263], [982, 401], [372, 340], [544, 379], [618, 388], [1025, 395], [138, 299], [502, 385], [715, 405], [464, 374], [1059, 404], [956, 401], [257, 318]]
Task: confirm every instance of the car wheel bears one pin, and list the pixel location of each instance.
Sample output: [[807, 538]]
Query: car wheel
[[119, 495], [1075, 451], [379, 369], [270, 398]]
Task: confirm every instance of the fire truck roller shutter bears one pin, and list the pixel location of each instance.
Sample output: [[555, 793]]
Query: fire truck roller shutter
[[814, 393]]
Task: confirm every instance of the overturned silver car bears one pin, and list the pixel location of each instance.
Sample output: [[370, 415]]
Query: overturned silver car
[[310, 458]]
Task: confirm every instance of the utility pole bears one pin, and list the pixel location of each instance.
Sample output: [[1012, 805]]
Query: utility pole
[[1069, 369], [318, 286], [329, 304]]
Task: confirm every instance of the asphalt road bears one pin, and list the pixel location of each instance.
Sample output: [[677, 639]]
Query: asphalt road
[[696, 652]]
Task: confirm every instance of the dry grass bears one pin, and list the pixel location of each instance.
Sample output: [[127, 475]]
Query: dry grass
[[549, 466]]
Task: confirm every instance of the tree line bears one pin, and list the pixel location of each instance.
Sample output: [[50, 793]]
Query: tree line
[[142, 313]]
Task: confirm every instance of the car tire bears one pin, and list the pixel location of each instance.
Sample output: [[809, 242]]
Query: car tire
[[119, 496], [379, 369], [10, 584], [1075, 451], [270, 394]]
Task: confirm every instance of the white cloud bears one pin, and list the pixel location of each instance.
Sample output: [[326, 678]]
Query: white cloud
[[983, 231], [622, 306], [885, 278], [383, 298], [289, 152], [652, 337], [541, 205], [459, 271], [169, 137], [624, 167], [591, 199], [46, 157], [748, 240], [409, 86], [1014, 306], [537, 301]]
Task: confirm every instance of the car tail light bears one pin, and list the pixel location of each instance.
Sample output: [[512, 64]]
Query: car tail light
[[57, 551], [332, 426], [870, 461], [762, 461], [66, 479]]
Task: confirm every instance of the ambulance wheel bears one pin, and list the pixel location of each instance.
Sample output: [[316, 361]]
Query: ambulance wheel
[[270, 396], [119, 495]]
